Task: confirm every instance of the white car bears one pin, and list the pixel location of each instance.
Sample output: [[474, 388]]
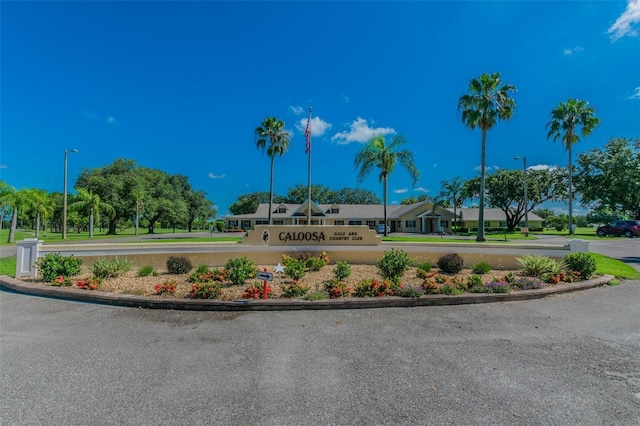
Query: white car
[[380, 229]]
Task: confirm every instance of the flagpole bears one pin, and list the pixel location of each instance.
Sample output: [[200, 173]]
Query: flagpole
[[308, 135]]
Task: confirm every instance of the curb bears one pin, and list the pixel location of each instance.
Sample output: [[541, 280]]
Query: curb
[[132, 301]]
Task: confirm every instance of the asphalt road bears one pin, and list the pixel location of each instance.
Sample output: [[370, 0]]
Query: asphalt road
[[567, 360]]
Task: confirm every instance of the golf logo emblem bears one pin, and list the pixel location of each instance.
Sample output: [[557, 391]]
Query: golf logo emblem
[[265, 236]]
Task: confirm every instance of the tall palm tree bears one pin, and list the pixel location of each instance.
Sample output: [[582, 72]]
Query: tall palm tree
[[487, 102], [566, 118], [39, 202], [88, 201], [376, 153], [454, 191], [274, 139], [14, 200]]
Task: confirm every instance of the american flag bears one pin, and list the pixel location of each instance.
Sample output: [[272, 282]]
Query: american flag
[[307, 135]]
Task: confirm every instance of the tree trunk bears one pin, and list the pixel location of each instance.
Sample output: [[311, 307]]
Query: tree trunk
[[37, 224], [480, 237], [271, 190], [570, 190], [91, 223], [384, 195], [14, 225], [113, 223]]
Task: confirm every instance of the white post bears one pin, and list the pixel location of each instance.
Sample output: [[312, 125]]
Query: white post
[[26, 257]]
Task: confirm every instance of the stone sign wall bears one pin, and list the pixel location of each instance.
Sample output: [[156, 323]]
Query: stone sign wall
[[296, 235]]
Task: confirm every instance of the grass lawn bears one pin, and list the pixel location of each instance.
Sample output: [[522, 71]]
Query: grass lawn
[[609, 266], [8, 266], [582, 233]]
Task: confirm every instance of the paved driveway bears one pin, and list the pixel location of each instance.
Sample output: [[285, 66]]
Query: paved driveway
[[568, 359]]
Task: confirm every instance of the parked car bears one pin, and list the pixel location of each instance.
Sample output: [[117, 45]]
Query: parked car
[[628, 228], [380, 229]]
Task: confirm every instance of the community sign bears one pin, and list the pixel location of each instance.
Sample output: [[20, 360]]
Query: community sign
[[318, 235]]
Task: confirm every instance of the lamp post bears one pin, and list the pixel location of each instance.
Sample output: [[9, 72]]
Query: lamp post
[[526, 200], [64, 197]]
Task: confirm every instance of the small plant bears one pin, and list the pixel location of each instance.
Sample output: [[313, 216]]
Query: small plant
[[336, 288], [613, 282], [479, 288], [295, 269], [375, 288], [481, 268], [54, 264], [178, 265], [498, 287], [431, 287], [509, 278], [294, 290], [342, 270], [536, 265], [425, 266], [167, 287], [202, 269], [315, 263], [240, 269], [451, 263], [581, 262], [205, 290], [393, 264], [450, 290], [61, 281], [317, 295], [255, 291], [91, 283], [410, 291], [208, 276], [147, 271], [110, 268], [474, 280], [528, 283]]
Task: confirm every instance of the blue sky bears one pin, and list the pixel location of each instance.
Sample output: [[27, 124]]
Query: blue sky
[[182, 86]]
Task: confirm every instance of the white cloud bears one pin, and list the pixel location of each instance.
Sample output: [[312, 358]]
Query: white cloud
[[421, 189], [111, 119], [573, 50], [3, 166], [434, 165], [542, 167], [345, 98], [486, 168], [318, 126], [636, 94], [395, 202], [400, 191], [360, 132], [296, 109], [212, 176], [624, 24]]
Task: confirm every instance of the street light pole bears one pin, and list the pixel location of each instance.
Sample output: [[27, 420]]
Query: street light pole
[[526, 200], [64, 198]]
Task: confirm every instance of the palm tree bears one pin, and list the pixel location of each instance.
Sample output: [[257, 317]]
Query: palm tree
[[41, 204], [487, 102], [88, 201], [455, 192], [376, 153], [565, 120], [272, 132], [15, 200]]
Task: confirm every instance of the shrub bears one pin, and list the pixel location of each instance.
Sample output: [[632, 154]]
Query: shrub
[[317, 295], [451, 263], [91, 283], [202, 269], [167, 287], [206, 290], [336, 288], [425, 266], [295, 269], [342, 270], [479, 288], [528, 283], [178, 265], [481, 268], [61, 281], [410, 291], [315, 263], [394, 263], [294, 290], [498, 287], [240, 269], [536, 265], [474, 280], [147, 271], [431, 287], [375, 288], [220, 225], [581, 262], [509, 278], [256, 291], [54, 265], [110, 268], [449, 290]]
